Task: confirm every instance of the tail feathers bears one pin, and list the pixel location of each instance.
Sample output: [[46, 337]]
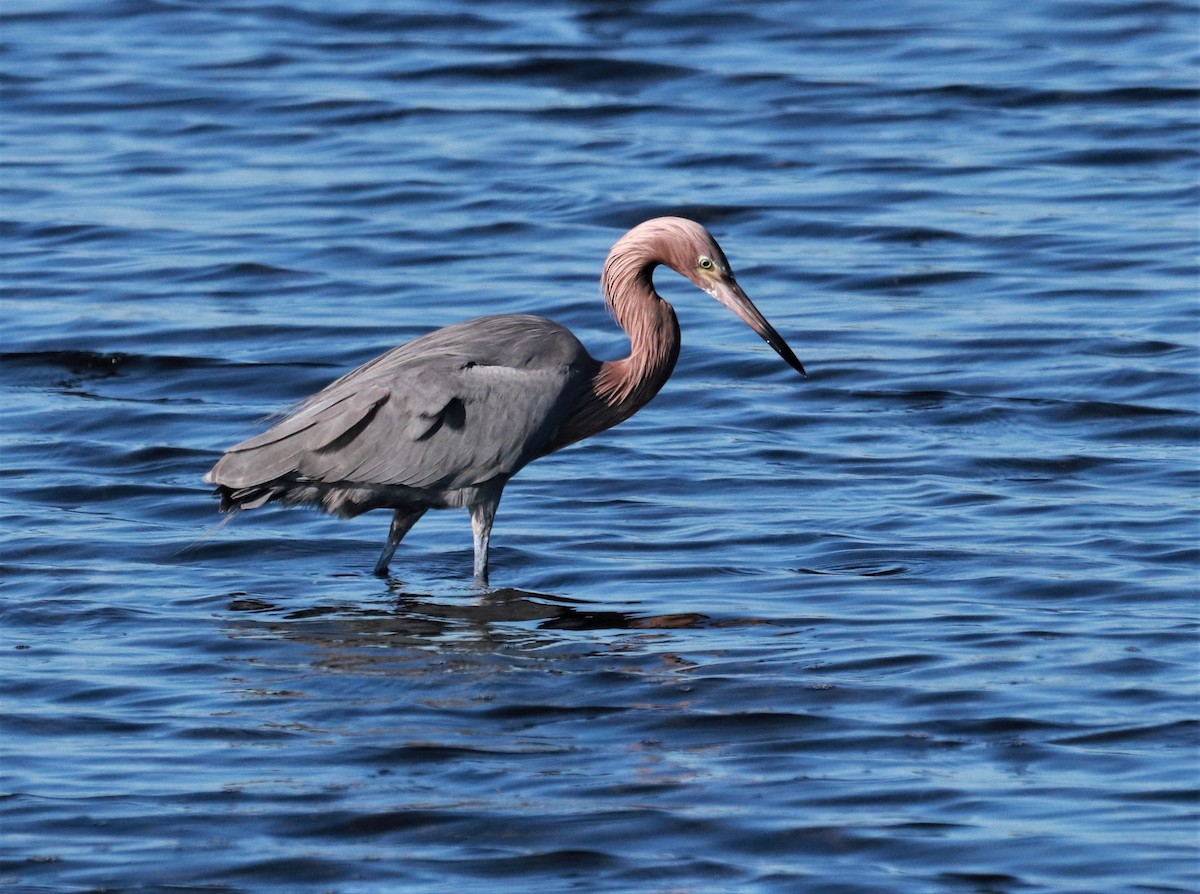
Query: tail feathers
[[237, 498], [343, 499], [294, 491]]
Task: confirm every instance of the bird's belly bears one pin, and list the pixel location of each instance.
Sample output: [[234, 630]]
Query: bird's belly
[[348, 499], [451, 499]]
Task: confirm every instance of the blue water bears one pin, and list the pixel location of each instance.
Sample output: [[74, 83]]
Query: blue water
[[926, 621]]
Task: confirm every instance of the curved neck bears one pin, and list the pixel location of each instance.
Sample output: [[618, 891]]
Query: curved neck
[[622, 387], [628, 385]]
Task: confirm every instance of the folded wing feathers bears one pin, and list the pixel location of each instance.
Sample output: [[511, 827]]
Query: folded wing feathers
[[444, 425]]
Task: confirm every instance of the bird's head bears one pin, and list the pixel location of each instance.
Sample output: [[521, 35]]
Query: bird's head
[[690, 250]]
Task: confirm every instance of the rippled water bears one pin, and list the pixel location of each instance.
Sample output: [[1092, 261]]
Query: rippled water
[[925, 622]]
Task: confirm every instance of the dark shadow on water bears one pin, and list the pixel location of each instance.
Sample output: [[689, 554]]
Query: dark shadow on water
[[502, 618]]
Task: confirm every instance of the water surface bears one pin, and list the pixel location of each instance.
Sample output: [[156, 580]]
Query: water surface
[[923, 622]]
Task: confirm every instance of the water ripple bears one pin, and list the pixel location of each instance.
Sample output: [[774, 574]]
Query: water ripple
[[924, 622]]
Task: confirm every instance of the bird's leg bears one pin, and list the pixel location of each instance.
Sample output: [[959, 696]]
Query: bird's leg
[[402, 521], [483, 513]]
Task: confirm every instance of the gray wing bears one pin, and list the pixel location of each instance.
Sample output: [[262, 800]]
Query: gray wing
[[452, 409]]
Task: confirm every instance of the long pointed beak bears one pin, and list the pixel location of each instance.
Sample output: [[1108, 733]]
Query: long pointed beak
[[729, 293]]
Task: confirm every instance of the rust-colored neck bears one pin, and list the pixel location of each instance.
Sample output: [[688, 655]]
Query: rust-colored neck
[[622, 387], [625, 386]]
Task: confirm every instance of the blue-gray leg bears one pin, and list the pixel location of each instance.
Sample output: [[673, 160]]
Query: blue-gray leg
[[483, 513], [402, 521]]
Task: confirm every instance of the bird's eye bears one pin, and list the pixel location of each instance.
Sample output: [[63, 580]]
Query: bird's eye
[[706, 263]]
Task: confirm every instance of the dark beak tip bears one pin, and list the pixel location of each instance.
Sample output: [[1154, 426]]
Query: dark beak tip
[[793, 361]]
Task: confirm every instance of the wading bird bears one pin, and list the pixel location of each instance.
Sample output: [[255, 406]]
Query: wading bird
[[447, 419]]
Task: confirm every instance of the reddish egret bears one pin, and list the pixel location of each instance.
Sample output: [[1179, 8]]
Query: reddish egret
[[446, 419]]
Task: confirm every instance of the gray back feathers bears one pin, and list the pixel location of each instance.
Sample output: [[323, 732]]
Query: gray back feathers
[[457, 408]]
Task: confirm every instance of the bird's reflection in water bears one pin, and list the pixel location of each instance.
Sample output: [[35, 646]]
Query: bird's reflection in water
[[504, 618]]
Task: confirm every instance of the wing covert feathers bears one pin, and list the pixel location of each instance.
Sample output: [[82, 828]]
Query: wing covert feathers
[[457, 408]]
